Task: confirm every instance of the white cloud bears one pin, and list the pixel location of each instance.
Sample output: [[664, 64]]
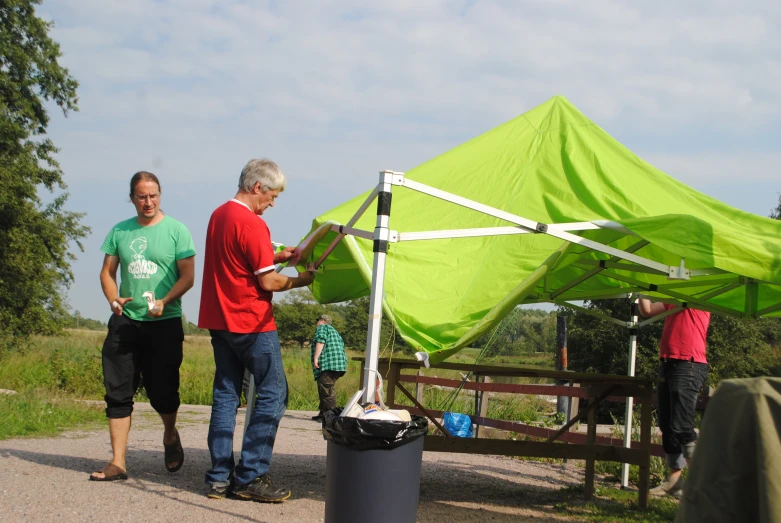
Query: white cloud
[[336, 91]]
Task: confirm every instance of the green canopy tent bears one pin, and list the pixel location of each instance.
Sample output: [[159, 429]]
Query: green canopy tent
[[545, 208]]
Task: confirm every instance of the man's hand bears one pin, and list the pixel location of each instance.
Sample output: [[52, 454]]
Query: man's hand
[[317, 363], [289, 255], [118, 305], [157, 310]]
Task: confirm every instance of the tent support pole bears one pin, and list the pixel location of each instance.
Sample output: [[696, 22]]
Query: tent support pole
[[381, 240], [630, 400]]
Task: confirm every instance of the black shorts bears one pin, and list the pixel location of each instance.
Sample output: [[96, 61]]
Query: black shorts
[[152, 349]]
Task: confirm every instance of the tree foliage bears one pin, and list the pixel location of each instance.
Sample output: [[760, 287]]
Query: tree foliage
[[522, 332], [34, 236], [736, 348], [297, 313], [77, 321], [776, 213]]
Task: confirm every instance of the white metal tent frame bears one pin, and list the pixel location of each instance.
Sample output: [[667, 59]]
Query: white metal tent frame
[[620, 260]]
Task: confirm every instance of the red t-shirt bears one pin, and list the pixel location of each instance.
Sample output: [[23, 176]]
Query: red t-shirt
[[238, 248], [683, 337]]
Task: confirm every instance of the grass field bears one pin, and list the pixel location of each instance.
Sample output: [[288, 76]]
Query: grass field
[[68, 367], [51, 373]]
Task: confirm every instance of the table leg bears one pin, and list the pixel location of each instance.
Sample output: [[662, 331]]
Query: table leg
[[591, 436], [393, 377], [645, 447]]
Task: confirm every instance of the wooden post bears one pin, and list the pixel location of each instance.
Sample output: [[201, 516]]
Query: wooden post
[[574, 404], [478, 393], [481, 406], [484, 399], [645, 446], [393, 377], [419, 390], [591, 436], [562, 402]]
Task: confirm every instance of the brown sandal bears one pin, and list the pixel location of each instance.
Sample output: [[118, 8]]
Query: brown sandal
[[110, 473], [174, 453]]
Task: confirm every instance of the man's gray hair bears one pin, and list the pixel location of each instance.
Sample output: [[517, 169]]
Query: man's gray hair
[[262, 171], [326, 318]]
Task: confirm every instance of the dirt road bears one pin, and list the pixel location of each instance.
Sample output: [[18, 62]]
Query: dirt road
[[46, 479]]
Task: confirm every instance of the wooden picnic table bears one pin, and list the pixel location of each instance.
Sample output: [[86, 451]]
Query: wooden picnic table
[[594, 388]]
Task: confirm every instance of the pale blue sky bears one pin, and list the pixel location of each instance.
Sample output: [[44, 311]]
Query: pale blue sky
[[336, 91]]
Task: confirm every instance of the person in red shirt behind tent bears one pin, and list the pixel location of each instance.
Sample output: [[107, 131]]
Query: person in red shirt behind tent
[[239, 279], [684, 368]]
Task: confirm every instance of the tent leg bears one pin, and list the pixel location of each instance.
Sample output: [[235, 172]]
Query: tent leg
[[630, 400], [381, 238]]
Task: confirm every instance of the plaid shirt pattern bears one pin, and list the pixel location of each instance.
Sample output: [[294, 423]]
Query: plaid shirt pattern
[[333, 357]]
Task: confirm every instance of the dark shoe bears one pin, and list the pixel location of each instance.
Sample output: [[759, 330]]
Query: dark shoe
[[220, 491], [261, 489], [318, 418], [174, 453]]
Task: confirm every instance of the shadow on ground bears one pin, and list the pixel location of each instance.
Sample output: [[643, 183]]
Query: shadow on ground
[[449, 489]]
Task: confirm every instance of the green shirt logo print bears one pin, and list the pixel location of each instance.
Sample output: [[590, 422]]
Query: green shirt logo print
[[140, 267]]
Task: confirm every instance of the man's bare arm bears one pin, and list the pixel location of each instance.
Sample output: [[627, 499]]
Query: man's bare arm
[[108, 282], [273, 281], [185, 282], [318, 351], [649, 308]]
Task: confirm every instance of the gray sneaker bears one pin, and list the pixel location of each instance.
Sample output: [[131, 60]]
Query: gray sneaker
[[217, 491], [668, 488], [261, 489]]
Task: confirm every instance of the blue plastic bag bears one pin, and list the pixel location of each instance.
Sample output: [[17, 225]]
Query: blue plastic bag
[[459, 425]]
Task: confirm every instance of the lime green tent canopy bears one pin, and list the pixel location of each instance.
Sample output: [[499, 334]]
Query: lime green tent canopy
[[545, 208]]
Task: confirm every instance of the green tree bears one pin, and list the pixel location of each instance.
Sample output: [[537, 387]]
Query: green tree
[[736, 347], [523, 331], [191, 329], [600, 346], [296, 315], [776, 213], [77, 321], [34, 236], [356, 325]]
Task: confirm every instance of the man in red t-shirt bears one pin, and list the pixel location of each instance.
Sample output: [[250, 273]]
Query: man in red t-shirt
[[239, 279], [684, 368]]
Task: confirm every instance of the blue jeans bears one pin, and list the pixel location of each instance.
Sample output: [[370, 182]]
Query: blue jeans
[[260, 353], [677, 406]]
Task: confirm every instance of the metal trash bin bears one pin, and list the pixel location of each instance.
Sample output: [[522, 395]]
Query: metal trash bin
[[372, 469]]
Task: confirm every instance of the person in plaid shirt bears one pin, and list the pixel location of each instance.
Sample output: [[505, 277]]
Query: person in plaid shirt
[[329, 363]]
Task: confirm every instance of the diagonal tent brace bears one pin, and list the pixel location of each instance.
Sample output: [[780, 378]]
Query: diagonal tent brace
[[542, 228]]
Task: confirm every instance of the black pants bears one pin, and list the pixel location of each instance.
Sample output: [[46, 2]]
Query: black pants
[[326, 388], [132, 349], [677, 403]]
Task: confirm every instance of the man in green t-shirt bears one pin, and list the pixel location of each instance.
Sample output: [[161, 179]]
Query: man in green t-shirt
[[156, 258], [329, 363]]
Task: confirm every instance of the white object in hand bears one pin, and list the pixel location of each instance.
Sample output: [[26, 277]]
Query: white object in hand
[[150, 301]]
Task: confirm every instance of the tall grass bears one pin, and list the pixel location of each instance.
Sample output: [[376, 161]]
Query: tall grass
[[34, 413], [70, 366], [658, 465]]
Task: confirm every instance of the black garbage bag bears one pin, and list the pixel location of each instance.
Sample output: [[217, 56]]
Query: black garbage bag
[[369, 434]]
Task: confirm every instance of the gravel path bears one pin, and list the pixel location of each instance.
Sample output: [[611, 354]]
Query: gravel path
[[46, 479]]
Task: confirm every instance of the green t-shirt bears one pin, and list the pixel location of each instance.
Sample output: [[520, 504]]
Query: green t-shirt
[[147, 261]]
